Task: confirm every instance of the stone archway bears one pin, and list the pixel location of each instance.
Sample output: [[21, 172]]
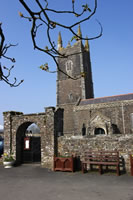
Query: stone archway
[[99, 131], [15, 125], [100, 124], [33, 152]]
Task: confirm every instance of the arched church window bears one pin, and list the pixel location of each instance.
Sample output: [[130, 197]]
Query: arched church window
[[70, 97], [83, 130], [115, 129], [99, 131], [69, 67]]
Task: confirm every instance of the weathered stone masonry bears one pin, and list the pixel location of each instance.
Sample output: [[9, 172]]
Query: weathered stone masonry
[[16, 123], [53, 141], [77, 145], [113, 117]]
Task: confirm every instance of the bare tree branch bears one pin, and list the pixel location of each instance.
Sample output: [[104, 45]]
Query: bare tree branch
[[3, 50], [42, 17], [2, 37]]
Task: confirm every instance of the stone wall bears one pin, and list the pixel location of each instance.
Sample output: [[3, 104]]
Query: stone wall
[[68, 119], [114, 117], [47, 140], [8, 132], [61, 130], [77, 145], [15, 125]]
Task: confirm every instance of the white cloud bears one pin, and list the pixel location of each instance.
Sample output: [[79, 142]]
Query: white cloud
[[1, 127], [34, 128]]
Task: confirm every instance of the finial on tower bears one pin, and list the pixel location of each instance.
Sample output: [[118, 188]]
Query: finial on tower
[[68, 45], [59, 46], [86, 44], [79, 31]]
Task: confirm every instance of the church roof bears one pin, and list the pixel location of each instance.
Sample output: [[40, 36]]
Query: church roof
[[107, 99]]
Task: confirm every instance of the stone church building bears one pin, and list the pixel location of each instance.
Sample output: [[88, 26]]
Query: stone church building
[[78, 122]]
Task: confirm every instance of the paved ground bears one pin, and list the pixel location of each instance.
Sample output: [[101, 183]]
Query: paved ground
[[30, 182]]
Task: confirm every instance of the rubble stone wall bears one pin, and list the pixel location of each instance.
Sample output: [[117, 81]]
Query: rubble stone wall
[[77, 145], [114, 116], [16, 123]]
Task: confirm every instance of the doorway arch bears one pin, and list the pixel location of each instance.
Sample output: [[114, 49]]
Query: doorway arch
[[31, 154], [99, 131]]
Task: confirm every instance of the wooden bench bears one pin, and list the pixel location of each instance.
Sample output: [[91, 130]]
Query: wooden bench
[[101, 158]]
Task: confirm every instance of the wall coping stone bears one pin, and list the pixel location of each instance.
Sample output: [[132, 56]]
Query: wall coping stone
[[103, 105], [13, 112], [34, 114], [102, 137]]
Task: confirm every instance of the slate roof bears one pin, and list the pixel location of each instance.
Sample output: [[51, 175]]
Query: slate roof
[[107, 99]]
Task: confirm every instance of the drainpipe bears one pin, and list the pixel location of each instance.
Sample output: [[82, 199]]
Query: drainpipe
[[123, 120]]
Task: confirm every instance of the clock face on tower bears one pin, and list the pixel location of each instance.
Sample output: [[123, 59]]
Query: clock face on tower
[[69, 67]]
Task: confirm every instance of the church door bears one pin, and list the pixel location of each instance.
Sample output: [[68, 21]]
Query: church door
[[31, 149]]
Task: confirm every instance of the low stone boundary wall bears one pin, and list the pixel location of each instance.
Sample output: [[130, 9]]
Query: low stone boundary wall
[[77, 145]]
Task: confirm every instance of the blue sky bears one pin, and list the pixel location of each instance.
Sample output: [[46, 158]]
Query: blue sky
[[111, 55]]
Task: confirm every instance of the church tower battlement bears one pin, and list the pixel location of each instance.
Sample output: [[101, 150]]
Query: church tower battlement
[[76, 64]]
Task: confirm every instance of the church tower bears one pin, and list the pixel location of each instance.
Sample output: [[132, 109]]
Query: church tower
[[75, 64]]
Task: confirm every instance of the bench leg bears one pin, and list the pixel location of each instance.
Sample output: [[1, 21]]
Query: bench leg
[[118, 170], [91, 167], [84, 167], [106, 167], [100, 169]]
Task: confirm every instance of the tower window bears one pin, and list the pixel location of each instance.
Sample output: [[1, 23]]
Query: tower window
[[69, 67], [83, 130], [70, 96]]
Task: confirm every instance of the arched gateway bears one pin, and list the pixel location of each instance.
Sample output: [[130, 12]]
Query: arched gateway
[[26, 145]]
